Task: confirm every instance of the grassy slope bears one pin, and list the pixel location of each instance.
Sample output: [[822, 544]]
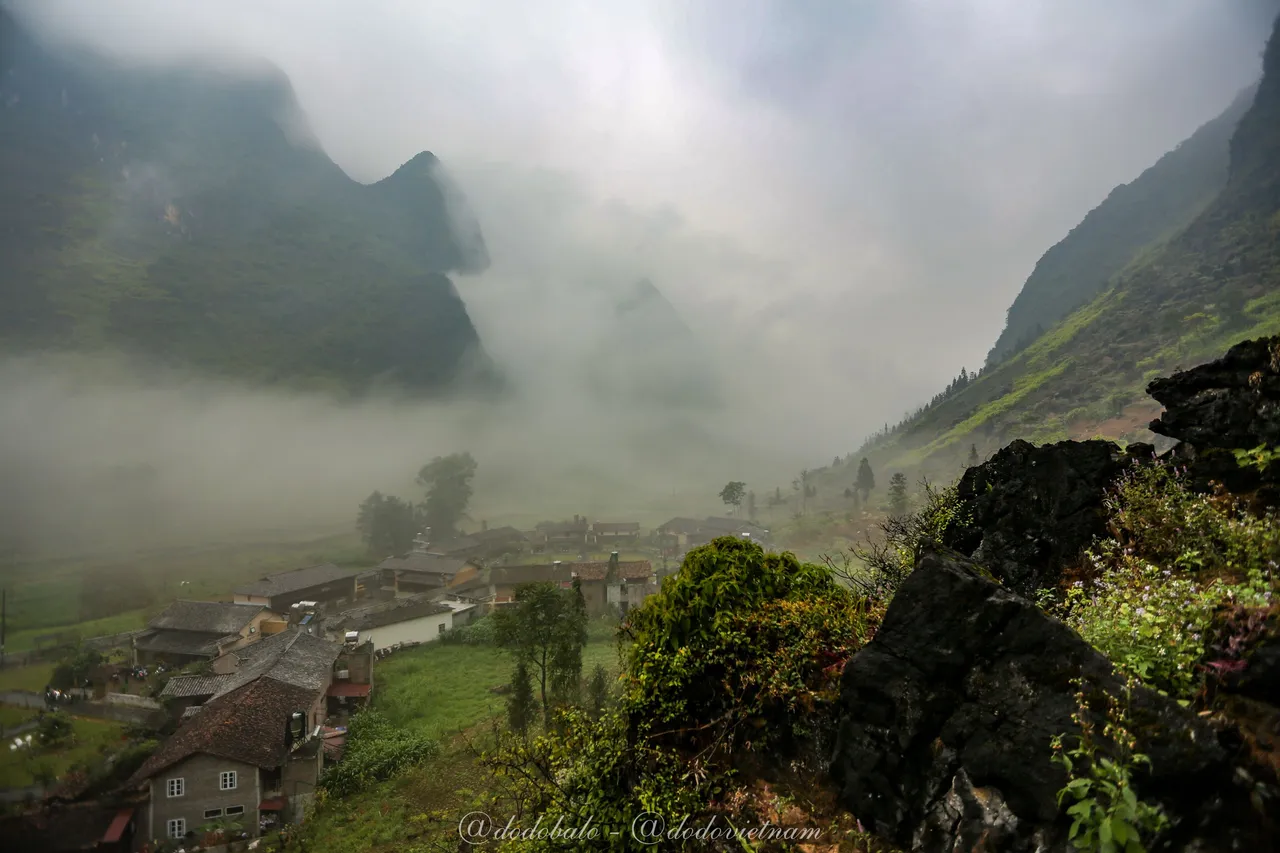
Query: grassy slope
[[1176, 304], [92, 738]]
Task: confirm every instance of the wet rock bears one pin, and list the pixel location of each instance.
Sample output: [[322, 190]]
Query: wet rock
[[945, 721], [1032, 510], [1233, 402]]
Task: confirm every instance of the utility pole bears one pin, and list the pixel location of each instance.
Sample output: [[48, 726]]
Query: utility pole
[[4, 620]]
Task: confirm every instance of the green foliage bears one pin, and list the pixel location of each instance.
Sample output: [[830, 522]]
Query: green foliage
[[388, 524], [898, 502], [376, 750], [520, 705], [598, 693], [447, 480], [1260, 457], [546, 628], [482, 632], [865, 480], [739, 645], [73, 669], [733, 492], [1158, 588], [1107, 816], [54, 729], [878, 566]]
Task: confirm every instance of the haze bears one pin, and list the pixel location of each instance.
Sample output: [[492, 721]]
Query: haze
[[841, 199]]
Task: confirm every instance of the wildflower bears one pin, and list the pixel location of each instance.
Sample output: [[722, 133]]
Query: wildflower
[[1141, 611]]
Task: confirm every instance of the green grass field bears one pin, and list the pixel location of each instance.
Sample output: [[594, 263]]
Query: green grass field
[[31, 678], [11, 716], [57, 596], [442, 689], [91, 740]]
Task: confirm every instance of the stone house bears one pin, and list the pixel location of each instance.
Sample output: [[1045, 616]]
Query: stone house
[[248, 753], [418, 572], [414, 619], [329, 586], [190, 631], [610, 534]]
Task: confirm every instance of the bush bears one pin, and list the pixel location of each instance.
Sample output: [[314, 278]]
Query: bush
[[482, 632], [376, 750], [739, 636], [1181, 588]]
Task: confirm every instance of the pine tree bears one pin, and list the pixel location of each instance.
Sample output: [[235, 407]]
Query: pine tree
[[598, 690], [866, 479], [520, 706], [898, 495], [973, 455]]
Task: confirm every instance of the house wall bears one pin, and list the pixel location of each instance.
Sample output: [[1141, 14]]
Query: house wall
[[468, 573], [241, 598], [421, 630], [201, 775], [343, 589], [250, 633]]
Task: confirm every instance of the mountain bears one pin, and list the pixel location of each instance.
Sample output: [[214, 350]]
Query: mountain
[[1177, 302], [188, 216], [1157, 204]]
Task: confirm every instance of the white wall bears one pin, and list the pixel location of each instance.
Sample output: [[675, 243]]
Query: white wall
[[421, 630]]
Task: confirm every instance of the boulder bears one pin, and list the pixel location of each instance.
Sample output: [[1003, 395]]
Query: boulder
[[945, 720], [1232, 402], [1029, 511]]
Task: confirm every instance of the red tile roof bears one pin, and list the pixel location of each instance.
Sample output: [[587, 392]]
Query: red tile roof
[[118, 825]]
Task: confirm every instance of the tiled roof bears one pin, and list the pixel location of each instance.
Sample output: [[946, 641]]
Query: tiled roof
[[296, 580], [209, 617], [533, 573], [616, 527], [181, 642], [627, 570], [416, 561], [183, 686], [458, 545], [730, 524], [499, 534], [291, 657], [389, 613], [681, 525], [248, 724]]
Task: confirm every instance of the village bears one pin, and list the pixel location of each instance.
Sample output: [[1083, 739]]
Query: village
[[232, 709]]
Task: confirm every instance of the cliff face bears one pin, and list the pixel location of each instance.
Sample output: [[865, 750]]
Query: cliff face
[[186, 215]]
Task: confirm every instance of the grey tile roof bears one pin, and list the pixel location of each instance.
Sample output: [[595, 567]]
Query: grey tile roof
[[390, 612], [431, 563], [499, 534], [183, 686], [291, 657], [181, 642], [283, 583], [209, 617]]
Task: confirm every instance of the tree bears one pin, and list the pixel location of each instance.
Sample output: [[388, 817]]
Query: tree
[[865, 480], [598, 690], [520, 704], [388, 524], [73, 669], [898, 495], [973, 455], [447, 480], [751, 505], [733, 493], [546, 630]]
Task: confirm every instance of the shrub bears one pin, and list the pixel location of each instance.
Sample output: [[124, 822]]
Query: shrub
[[1178, 565], [739, 636], [482, 632], [376, 750]]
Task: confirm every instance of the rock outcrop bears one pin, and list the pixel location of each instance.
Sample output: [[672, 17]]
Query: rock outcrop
[[1232, 403], [1029, 510], [943, 741]]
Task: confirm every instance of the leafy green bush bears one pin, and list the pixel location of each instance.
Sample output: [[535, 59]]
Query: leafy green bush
[[482, 632], [739, 636], [1158, 590], [376, 750], [1107, 815], [886, 562]]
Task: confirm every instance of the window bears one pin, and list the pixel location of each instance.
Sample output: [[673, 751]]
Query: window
[[441, 627], [177, 828], [177, 787], [232, 810], [210, 814], [227, 780]]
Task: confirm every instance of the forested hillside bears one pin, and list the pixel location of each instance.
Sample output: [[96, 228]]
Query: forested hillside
[[1177, 303], [1155, 206], [190, 217]]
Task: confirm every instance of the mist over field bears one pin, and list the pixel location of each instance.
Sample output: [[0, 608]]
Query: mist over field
[[837, 203]]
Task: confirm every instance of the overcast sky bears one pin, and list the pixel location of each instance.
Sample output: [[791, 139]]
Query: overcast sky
[[844, 195]]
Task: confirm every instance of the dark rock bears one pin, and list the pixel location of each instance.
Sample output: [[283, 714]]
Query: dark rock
[[945, 721], [1233, 402], [1031, 510]]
